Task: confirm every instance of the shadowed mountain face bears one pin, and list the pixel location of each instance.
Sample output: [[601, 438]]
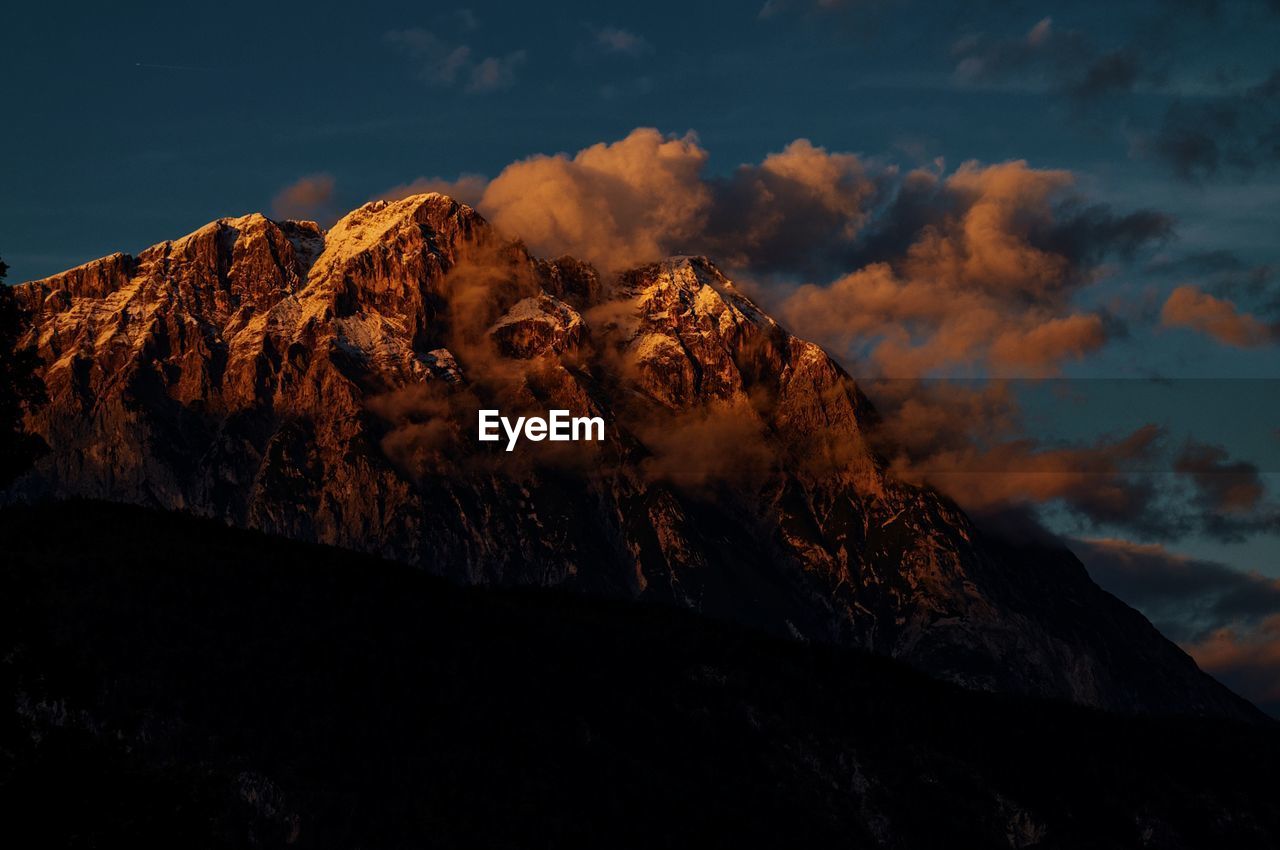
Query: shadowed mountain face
[[325, 387], [168, 682]]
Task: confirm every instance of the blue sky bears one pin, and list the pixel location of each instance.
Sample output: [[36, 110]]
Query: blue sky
[[129, 122]]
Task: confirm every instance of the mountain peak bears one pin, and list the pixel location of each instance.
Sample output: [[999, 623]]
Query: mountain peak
[[324, 386], [381, 220]]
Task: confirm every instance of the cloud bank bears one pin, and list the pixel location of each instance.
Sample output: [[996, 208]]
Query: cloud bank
[[916, 272], [970, 272]]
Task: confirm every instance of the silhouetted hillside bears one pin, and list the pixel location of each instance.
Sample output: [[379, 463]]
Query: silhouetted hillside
[[171, 682]]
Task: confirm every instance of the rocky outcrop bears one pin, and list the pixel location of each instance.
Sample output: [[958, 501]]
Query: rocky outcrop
[[540, 324], [324, 386]]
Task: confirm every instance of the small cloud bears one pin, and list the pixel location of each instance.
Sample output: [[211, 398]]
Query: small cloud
[[443, 63], [1246, 659], [467, 19], [494, 72], [439, 62], [1224, 486], [467, 189], [614, 40], [626, 88], [309, 197], [1040, 33], [769, 9], [1116, 71], [772, 8], [1188, 307]]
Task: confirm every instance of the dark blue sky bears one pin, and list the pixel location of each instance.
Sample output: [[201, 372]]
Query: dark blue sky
[[132, 122], [126, 124]]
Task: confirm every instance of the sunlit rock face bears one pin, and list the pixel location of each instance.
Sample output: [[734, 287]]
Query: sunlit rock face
[[325, 386]]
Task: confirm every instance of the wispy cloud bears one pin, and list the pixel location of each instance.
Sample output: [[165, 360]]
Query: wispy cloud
[[772, 8], [1065, 60], [467, 19], [309, 197], [448, 64], [615, 40], [1234, 132]]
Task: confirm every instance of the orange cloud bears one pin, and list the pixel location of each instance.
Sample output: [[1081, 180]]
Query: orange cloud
[[1095, 480], [644, 197], [1225, 618], [1223, 485], [721, 442], [985, 281], [1041, 347], [799, 211], [614, 205], [975, 270], [468, 188], [1188, 307], [1245, 659], [968, 271], [967, 440], [309, 197]]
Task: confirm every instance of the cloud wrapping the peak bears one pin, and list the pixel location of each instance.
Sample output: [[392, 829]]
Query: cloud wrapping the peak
[[928, 272], [646, 196], [974, 271], [910, 273], [612, 204]]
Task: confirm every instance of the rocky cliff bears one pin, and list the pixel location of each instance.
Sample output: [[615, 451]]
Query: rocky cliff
[[324, 386]]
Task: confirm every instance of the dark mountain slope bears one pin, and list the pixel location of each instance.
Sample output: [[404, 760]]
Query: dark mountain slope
[[170, 682]]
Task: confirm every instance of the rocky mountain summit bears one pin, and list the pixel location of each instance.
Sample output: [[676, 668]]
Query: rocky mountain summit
[[324, 386]]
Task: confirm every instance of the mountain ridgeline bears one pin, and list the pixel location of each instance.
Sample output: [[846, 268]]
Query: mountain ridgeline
[[324, 386]]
